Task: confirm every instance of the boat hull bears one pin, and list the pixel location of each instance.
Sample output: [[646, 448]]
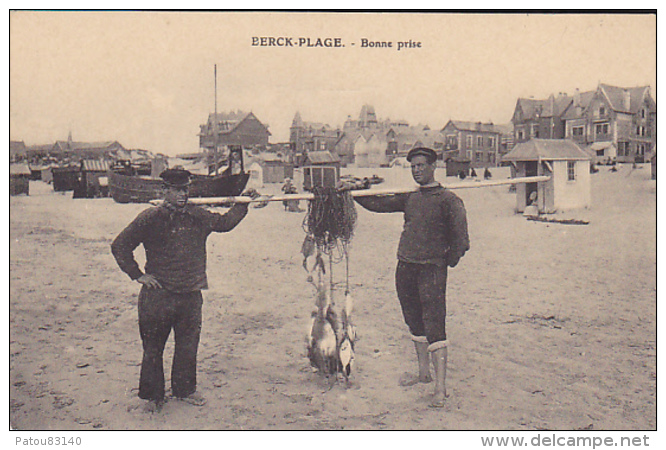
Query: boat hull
[[138, 189]]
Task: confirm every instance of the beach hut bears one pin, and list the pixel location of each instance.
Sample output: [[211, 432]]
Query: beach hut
[[276, 171], [65, 178], [19, 179], [35, 171], [94, 181], [565, 162], [47, 174], [321, 169], [256, 179], [456, 165]]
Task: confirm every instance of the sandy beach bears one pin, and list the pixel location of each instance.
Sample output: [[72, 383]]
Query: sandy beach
[[551, 326]]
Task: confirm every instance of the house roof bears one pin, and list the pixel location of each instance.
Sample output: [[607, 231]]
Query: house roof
[[473, 126], [228, 122], [616, 97], [546, 149], [17, 147], [94, 165], [584, 101], [323, 157], [19, 169], [550, 107], [67, 145]]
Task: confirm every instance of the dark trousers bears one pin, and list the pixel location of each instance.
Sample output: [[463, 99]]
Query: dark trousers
[[160, 311], [421, 290]]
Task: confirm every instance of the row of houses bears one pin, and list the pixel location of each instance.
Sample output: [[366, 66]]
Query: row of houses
[[370, 142], [67, 150], [611, 122]]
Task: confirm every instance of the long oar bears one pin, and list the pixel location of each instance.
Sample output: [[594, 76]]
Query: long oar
[[355, 193]]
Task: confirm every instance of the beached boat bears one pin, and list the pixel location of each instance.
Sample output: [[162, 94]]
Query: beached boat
[[142, 189]]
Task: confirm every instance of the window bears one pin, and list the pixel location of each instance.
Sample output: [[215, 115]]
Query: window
[[623, 148], [601, 128], [535, 131], [571, 170], [602, 111], [521, 135], [479, 156], [642, 114], [491, 142], [577, 131], [479, 141], [468, 141]]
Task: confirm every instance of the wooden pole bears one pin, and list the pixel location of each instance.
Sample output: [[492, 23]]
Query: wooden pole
[[357, 193]]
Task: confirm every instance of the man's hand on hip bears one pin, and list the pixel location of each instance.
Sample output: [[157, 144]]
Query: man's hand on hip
[[149, 281]]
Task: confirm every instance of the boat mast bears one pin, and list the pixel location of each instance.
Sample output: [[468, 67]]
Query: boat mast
[[215, 128]]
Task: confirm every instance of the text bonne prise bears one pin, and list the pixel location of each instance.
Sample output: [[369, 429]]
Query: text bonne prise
[[271, 41]]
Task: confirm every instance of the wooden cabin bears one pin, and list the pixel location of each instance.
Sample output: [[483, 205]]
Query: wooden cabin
[[19, 179], [65, 178], [321, 169], [94, 181], [456, 165], [565, 162]]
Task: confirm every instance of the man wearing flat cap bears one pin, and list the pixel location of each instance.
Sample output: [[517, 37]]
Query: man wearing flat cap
[[434, 237], [174, 236]]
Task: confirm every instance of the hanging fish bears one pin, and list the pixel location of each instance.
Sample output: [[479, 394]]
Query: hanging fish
[[322, 341], [346, 338]]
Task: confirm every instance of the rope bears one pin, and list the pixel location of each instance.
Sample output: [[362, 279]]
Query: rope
[[330, 221]]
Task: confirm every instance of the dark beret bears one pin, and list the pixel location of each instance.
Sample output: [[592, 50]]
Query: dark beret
[[176, 177], [429, 153]]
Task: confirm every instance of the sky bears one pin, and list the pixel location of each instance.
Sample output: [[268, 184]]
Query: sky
[[146, 79]]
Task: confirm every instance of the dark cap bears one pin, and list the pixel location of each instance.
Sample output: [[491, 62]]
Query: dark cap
[[176, 177], [429, 153]]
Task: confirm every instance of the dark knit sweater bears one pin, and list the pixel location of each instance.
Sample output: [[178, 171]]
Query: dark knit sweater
[[175, 244], [435, 229]]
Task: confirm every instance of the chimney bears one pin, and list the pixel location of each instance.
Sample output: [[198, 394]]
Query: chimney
[[627, 99], [576, 97]]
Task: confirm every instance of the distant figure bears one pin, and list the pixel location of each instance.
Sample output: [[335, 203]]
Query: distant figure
[[613, 168], [290, 205], [473, 173], [462, 175], [532, 210], [487, 175]]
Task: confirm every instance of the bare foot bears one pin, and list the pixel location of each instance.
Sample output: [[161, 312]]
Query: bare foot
[[410, 379], [195, 399], [438, 400], [153, 406]]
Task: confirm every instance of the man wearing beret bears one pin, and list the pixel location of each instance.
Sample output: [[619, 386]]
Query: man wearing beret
[[434, 238], [174, 237]]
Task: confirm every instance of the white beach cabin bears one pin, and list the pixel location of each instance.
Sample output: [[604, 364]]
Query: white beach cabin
[[565, 162]]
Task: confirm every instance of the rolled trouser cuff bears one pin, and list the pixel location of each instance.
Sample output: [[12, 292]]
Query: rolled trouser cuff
[[419, 338], [437, 345]]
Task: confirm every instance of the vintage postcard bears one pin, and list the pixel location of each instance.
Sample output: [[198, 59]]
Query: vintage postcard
[[339, 221]]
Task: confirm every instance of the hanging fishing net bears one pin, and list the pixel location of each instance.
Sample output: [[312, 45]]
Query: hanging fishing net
[[330, 221]]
